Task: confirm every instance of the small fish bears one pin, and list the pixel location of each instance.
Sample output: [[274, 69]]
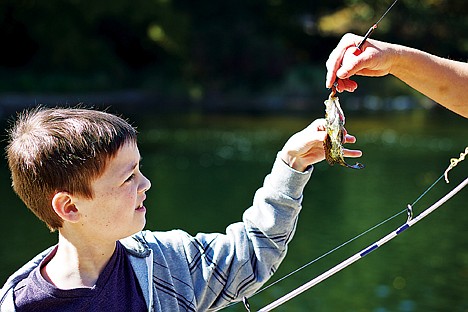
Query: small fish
[[335, 121]]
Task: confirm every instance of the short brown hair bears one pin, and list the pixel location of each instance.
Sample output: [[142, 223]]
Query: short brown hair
[[61, 149]]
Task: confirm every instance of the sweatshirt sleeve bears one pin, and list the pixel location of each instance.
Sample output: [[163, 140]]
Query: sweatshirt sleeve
[[227, 267]]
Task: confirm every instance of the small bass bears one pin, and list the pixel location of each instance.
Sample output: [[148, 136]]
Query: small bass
[[335, 121]]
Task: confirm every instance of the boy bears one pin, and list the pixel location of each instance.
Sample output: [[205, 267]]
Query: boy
[[78, 171]]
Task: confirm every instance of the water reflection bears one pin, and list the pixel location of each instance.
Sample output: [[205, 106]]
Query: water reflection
[[207, 169]]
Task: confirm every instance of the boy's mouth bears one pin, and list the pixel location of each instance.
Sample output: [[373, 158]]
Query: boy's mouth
[[140, 208]]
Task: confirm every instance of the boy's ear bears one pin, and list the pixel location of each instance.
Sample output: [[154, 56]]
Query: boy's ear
[[63, 205]]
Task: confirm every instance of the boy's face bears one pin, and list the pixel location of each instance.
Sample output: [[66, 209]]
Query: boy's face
[[116, 209]]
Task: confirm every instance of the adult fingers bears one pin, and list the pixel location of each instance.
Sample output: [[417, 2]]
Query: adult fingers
[[350, 63], [336, 56], [346, 85]]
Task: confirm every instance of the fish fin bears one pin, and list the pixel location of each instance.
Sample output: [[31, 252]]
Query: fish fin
[[355, 166]]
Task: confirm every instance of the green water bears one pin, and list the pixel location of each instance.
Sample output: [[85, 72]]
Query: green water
[[204, 171]]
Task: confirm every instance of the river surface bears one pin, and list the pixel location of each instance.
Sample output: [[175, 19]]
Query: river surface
[[205, 170]]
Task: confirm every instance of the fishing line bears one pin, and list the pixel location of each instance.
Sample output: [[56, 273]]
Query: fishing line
[[338, 247], [361, 254], [331, 251], [428, 189], [409, 211], [350, 240], [374, 27], [410, 222], [246, 304]]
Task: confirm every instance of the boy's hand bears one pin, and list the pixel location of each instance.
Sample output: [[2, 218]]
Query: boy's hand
[[306, 147]]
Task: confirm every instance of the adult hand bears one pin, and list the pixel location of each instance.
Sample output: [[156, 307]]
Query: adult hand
[[306, 147], [374, 59]]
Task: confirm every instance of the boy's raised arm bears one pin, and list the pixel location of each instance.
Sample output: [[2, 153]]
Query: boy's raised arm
[[227, 267]]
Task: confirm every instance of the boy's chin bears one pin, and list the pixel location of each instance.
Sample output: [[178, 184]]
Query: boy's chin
[[140, 228], [136, 230]]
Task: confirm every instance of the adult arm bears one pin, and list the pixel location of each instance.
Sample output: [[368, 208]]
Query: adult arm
[[440, 79]]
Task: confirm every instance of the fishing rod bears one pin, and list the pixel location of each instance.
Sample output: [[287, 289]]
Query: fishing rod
[[372, 28], [361, 254], [410, 221]]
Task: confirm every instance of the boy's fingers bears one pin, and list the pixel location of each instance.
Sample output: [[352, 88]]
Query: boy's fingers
[[350, 138], [352, 153]]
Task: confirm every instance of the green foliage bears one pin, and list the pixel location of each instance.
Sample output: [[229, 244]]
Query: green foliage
[[212, 47]]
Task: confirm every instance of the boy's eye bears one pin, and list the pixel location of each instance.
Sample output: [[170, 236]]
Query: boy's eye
[[130, 178]]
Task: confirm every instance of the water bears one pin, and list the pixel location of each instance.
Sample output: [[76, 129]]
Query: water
[[205, 169]]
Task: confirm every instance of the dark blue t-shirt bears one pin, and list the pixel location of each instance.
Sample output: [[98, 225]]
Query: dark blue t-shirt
[[116, 289]]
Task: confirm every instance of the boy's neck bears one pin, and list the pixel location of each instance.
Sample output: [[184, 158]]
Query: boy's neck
[[77, 264]]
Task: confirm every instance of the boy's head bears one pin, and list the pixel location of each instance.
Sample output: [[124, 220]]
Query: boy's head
[[52, 150]]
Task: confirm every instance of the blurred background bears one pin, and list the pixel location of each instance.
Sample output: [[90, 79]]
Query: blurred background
[[216, 88], [249, 56]]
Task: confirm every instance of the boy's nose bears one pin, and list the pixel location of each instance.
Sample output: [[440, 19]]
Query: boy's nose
[[145, 184]]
